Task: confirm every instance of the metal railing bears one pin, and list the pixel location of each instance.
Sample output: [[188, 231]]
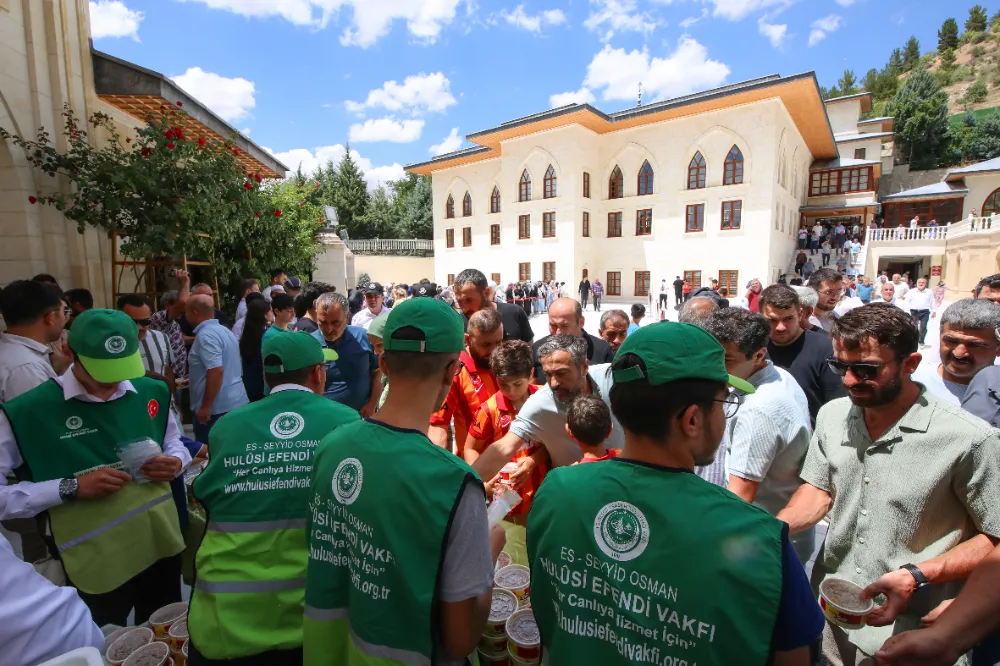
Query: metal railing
[[392, 246]]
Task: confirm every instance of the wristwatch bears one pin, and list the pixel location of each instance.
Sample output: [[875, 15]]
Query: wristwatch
[[68, 489], [918, 576]]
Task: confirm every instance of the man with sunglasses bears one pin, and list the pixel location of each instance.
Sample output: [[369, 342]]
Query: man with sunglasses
[[829, 284], [908, 481], [654, 545], [153, 345]]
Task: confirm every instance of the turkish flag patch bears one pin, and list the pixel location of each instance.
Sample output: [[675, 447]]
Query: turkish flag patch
[[153, 408]]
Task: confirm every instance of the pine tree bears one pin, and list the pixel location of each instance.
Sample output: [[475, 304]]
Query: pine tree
[[986, 138], [418, 213], [948, 35], [911, 54], [350, 193], [848, 82], [920, 109], [977, 19], [379, 220], [870, 82], [948, 60], [896, 62], [888, 84]]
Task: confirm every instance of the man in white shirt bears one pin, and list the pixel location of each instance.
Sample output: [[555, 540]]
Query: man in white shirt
[[839, 235], [374, 306], [901, 286], [817, 233], [921, 302], [968, 344], [278, 278], [914, 222], [35, 316], [250, 286], [769, 434], [664, 294], [38, 620]]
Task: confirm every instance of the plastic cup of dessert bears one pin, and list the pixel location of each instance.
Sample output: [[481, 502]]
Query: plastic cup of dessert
[[503, 606], [523, 640], [151, 654], [515, 578], [842, 603], [162, 619], [127, 643]]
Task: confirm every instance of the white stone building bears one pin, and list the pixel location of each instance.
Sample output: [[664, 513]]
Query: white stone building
[[712, 185]]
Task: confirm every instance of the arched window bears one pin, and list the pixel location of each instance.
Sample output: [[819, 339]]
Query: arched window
[[616, 184], [449, 207], [495, 200], [524, 187], [992, 204], [696, 172], [733, 174], [550, 183], [645, 179], [467, 205]]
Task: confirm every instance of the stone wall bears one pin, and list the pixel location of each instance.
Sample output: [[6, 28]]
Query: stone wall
[[902, 179]]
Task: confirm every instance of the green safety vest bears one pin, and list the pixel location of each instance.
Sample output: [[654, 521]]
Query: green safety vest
[[104, 542], [381, 501], [250, 569], [631, 563]]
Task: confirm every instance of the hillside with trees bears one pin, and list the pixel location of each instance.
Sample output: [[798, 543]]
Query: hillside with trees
[[942, 99]]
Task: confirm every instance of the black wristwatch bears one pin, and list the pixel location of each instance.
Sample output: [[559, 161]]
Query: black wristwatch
[[68, 489], [918, 576]]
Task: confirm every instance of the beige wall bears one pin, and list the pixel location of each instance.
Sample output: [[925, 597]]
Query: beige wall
[[762, 130], [385, 269], [44, 64], [873, 149], [980, 187], [844, 116], [335, 264], [969, 258]]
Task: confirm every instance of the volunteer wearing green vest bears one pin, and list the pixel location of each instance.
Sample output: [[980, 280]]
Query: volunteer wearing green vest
[[637, 560], [250, 569], [400, 554], [96, 449]]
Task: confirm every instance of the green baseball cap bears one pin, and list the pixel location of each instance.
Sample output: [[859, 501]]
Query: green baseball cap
[[107, 344], [294, 352], [441, 325], [673, 351], [377, 327]]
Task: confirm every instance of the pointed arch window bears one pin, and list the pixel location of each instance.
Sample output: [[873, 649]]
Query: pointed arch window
[[616, 184], [449, 207], [524, 187], [992, 204], [495, 200], [696, 172], [733, 174], [645, 179], [467, 205], [550, 183]]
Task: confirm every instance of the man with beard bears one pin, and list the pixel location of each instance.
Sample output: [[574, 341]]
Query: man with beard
[[908, 482], [968, 344], [473, 293], [473, 384], [829, 284], [566, 317], [614, 328], [543, 417]]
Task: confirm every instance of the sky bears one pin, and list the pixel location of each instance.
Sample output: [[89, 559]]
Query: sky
[[404, 80]]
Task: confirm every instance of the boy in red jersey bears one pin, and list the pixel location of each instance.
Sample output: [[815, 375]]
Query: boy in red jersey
[[588, 423]]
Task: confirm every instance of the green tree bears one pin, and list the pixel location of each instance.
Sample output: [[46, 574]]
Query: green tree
[[986, 140], [870, 81], [380, 219], [911, 54], [962, 138], [400, 190], [886, 85], [418, 213], [896, 62], [948, 35], [350, 193], [848, 82], [977, 19], [920, 108], [948, 60], [976, 93], [994, 20]]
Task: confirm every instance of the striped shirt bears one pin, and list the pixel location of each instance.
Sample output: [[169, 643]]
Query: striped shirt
[[930, 482]]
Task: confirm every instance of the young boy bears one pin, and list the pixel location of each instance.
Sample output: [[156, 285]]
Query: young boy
[[588, 422], [512, 364]]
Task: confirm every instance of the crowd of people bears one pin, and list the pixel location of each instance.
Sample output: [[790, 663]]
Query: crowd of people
[[351, 445]]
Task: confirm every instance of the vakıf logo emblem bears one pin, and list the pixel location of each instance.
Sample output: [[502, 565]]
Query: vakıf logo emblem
[[115, 344], [74, 423], [287, 425], [621, 531], [347, 481]]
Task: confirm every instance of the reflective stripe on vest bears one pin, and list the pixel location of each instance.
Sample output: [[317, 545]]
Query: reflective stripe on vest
[[364, 647], [260, 526], [238, 586], [76, 541]]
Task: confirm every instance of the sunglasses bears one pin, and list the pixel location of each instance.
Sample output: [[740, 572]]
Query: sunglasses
[[866, 372], [143, 322]]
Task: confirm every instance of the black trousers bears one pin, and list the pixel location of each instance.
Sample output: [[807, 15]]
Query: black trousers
[[663, 301], [584, 296], [151, 589], [922, 317], [272, 658], [678, 297]]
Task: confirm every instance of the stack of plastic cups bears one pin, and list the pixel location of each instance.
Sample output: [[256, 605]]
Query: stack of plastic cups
[[126, 643], [177, 636], [524, 642], [515, 578], [162, 619], [493, 644]]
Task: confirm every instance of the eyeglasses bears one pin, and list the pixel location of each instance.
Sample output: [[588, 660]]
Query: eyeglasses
[[832, 292], [866, 372], [143, 322], [730, 404], [67, 312]]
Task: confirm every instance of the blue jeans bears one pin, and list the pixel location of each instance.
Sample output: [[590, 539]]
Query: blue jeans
[[201, 430]]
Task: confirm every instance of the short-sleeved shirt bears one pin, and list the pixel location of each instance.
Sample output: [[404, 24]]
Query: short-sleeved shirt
[[493, 422], [930, 482], [215, 346], [612, 453], [24, 364], [951, 392], [982, 398], [470, 388], [543, 419], [365, 317], [306, 324], [272, 331], [349, 378], [154, 348]]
